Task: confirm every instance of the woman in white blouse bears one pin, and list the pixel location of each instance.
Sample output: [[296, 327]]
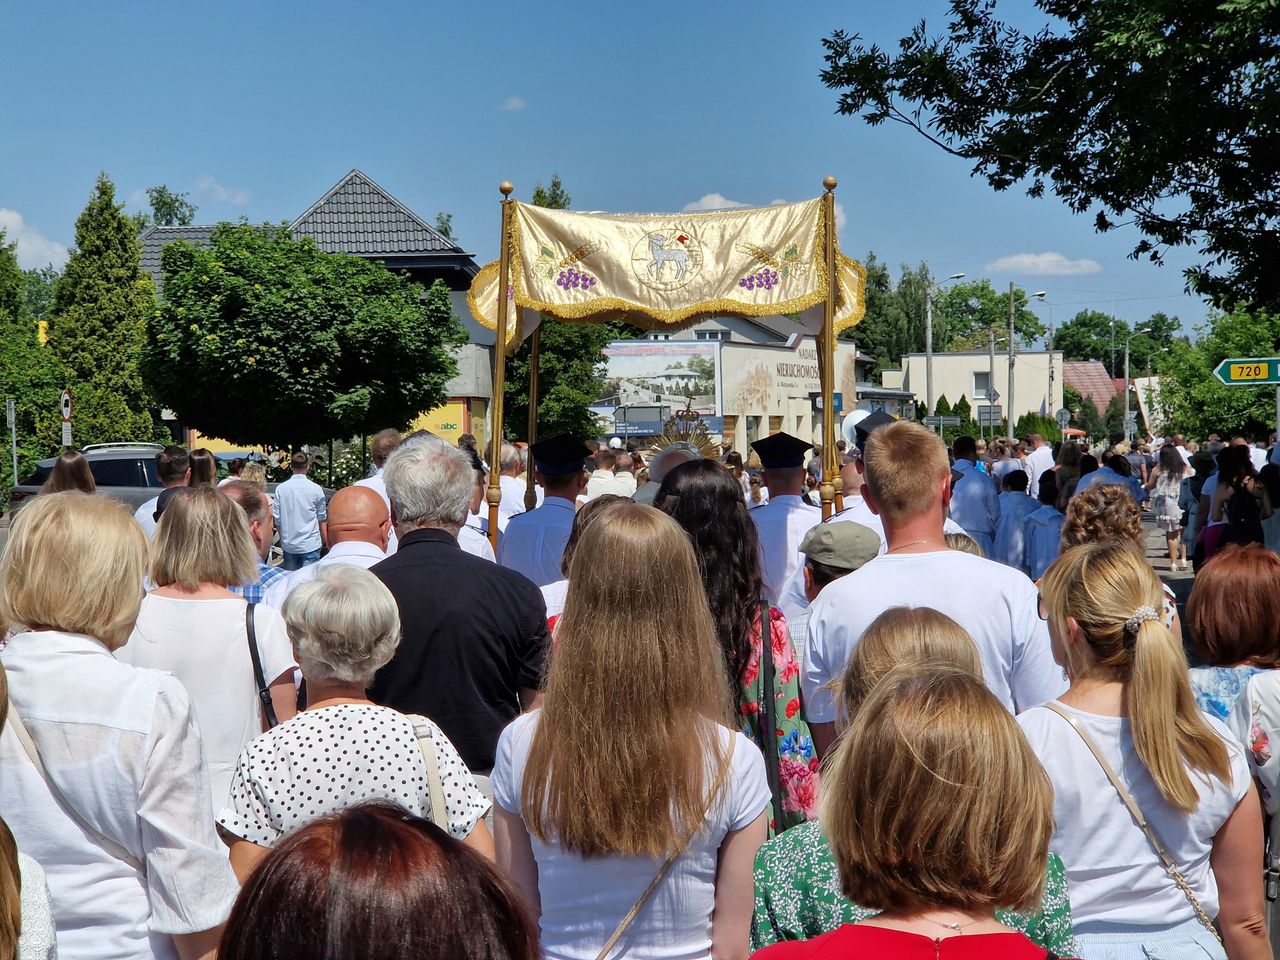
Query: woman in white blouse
[[344, 749], [117, 810], [194, 627]]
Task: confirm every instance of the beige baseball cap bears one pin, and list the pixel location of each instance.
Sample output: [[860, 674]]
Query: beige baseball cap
[[844, 544]]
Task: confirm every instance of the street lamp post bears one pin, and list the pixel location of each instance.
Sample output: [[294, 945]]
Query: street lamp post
[[1039, 294], [1128, 434], [928, 339]]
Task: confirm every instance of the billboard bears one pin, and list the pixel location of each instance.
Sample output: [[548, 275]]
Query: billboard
[[658, 373], [760, 380]]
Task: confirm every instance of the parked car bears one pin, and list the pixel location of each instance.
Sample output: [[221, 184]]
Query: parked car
[[126, 471]]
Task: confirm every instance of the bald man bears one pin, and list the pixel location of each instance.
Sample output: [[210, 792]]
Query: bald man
[[359, 525]]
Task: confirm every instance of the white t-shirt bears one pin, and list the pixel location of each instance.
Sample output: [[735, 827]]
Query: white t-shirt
[[476, 543], [146, 516], [584, 900], [203, 644], [1113, 874], [554, 596], [355, 753], [996, 604]]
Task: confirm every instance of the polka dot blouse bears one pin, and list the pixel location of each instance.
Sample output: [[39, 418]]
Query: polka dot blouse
[[323, 761]]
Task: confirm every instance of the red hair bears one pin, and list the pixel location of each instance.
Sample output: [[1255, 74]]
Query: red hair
[[1234, 607]]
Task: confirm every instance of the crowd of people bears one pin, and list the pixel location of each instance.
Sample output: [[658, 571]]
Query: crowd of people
[[676, 714]]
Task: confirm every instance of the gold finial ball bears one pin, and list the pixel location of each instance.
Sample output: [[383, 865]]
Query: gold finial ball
[[829, 182], [505, 188]]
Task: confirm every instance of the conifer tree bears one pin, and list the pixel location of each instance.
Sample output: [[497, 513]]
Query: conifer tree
[[100, 306]]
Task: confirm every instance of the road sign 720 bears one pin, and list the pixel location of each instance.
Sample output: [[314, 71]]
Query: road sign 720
[[1248, 371]]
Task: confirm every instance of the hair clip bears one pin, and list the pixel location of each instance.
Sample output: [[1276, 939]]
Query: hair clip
[[1140, 616]]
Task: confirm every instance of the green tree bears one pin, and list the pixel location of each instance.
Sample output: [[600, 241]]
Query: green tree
[[266, 339], [444, 225], [571, 362], [942, 407], [895, 317], [1155, 114], [1090, 420], [12, 282], [1192, 401], [966, 314], [168, 209], [96, 324], [37, 293], [1113, 418], [1089, 336]]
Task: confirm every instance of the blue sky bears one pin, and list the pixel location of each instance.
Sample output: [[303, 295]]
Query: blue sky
[[256, 109]]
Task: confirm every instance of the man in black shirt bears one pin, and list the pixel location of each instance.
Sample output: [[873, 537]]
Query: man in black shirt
[[473, 634]]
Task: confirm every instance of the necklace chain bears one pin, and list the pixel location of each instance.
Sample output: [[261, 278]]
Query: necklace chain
[[913, 543], [952, 925]]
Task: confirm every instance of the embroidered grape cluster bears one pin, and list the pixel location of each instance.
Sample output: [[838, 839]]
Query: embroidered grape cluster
[[766, 279], [572, 279]]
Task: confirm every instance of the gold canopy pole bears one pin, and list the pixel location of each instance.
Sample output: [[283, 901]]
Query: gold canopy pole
[[530, 494], [832, 486], [494, 495]]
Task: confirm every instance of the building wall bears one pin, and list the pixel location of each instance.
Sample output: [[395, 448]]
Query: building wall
[[954, 377]]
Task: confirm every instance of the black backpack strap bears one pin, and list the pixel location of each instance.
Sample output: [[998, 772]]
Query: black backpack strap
[[767, 721], [264, 694]]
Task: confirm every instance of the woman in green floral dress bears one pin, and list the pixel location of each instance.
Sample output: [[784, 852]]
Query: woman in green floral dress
[[798, 894]]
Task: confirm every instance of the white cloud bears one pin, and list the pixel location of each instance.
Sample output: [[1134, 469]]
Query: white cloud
[[1043, 265], [514, 103], [34, 248], [211, 188], [712, 201]]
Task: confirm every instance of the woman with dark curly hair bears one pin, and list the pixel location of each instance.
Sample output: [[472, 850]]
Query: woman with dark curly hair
[[705, 499]]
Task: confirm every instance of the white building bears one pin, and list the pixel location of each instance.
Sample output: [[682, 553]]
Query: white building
[[1036, 385]]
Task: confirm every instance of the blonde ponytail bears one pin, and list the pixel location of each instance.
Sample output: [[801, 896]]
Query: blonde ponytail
[[1111, 592]]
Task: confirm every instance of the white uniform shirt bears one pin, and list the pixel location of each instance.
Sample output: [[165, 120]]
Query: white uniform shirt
[[534, 542], [299, 509], [203, 643], [996, 605], [781, 524], [146, 516], [356, 553], [1010, 543], [584, 898], [512, 503], [857, 511], [123, 746], [379, 486], [473, 541], [975, 503], [1038, 461], [1113, 873]]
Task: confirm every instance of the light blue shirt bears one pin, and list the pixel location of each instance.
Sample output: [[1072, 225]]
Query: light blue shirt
[[1105, 475], [299, 508], [1010, 543], [1043, 536], [534, 542], [975, 502]]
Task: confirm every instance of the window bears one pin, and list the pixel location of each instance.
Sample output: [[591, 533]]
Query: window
[[658, 336], [117, 473], [712, 334], [981, 383]]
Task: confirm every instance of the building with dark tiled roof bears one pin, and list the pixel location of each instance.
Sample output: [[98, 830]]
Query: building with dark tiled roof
[[1090, 379]]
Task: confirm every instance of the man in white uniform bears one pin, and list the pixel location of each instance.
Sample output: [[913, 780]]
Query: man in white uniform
[[786, 518], [908, 483], [358, 527], [383, 443], [173, 469], [1039, 460], [473, 536], [533, 543], [975, 501], [513, 487]]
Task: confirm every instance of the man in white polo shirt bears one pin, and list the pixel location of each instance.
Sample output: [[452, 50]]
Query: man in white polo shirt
[[908, 484]]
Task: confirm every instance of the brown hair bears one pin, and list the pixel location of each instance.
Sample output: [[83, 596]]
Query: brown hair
[[204, 468], [10, 895], [254, 474], [383, 443], [74, 562], [919, 635], [202, 537], [904, 463], [1101, 586], [1102, 512], [933, 798], [586, 513], [377, 883], [70, 472], [1234, 607], [627, 743], [251, 498]]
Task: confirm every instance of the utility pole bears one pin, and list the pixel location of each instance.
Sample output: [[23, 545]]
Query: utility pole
[[991, 372], [928, 350], [1009, 399], [1127, 437]]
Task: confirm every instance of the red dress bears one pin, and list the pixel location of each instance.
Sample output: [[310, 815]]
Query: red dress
[[857, 941]]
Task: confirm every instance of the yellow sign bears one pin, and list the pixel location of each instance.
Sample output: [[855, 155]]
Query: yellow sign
[[1250, 371], [447, 420]]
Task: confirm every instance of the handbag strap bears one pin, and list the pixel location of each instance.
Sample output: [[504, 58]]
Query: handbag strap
[[1139, 818], [672, 857], [264, 693], [425, 735], [767, 721], [112, 847]]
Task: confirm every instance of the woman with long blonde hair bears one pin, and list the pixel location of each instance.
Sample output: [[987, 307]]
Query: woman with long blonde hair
[[798, 893], [628, 787], [1127, 736]]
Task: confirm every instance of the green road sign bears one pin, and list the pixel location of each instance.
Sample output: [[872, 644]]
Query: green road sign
[[1249, 372]]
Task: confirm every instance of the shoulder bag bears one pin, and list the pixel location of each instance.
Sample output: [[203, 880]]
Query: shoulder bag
[[29, 745], [264, 692], [675, 855], [425, 736], [1135, 811]]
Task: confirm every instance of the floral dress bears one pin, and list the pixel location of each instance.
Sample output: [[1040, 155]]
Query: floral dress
[[798, 896], [797, 761]]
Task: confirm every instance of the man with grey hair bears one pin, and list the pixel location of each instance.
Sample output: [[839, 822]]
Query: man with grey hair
[[663, 462], [510, 468], [474, 633]]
